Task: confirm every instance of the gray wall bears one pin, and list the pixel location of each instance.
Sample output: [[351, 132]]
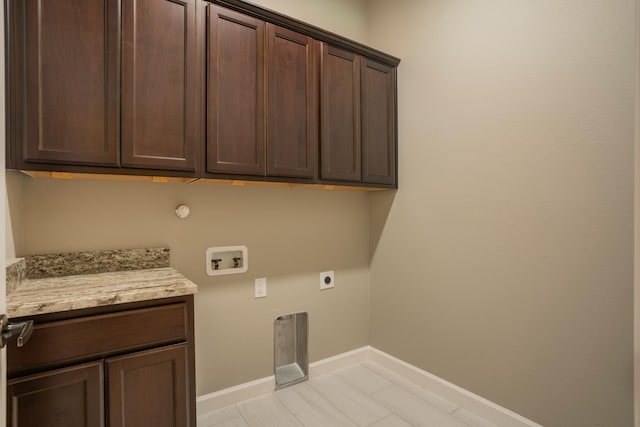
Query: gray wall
[[504, 264]]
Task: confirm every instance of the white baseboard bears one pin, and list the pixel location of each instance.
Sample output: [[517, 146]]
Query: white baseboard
[[486, 409], [339, 361], [463, 399], [232, 395]]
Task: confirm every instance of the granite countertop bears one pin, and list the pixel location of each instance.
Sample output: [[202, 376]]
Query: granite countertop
[[97, 279]]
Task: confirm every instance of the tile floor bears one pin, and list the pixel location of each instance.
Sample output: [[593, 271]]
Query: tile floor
[[364, 394]]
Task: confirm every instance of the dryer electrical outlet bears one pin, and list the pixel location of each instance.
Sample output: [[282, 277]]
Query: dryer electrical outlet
[[327, 281]]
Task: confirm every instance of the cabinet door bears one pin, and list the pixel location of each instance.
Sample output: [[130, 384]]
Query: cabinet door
[[340, 115], [291, 144], [70, 397], [62, 61], [149, 389], [235, 93], [378, 123], [158, 84]]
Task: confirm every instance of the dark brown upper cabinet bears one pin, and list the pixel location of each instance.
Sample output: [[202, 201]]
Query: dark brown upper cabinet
[[71, 104], [378, 83], [220, 89], [340, 115], [63, 91], [358, 119], [236, 131], [243, 54], [158, 84], [291, 143]]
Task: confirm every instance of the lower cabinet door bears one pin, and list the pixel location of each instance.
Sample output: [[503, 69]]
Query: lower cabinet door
[[70, 397], [149, 389]]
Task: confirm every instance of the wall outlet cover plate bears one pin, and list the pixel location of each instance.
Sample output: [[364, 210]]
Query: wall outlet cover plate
[[327, 280], [261, 287]]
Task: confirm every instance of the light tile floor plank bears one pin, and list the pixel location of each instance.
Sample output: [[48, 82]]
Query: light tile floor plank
[[310, 408], [235, 422], [436, 400], [472, 419], [267, 411], [413, 409], [363, 378], [219, 416], [352, 402], [391, 421]]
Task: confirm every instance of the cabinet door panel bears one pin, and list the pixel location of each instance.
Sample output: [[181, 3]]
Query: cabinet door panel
[[340, 129], [69, 81], [149, 388], [236, 93], [70, 397], [378, 123], [292, 104], [158, 84]]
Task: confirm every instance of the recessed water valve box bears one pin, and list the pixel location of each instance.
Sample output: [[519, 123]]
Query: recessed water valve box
[[227, 260]]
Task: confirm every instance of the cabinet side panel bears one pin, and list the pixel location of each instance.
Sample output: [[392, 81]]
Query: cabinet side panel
[[378, 123], [68, 84], [236, 71]]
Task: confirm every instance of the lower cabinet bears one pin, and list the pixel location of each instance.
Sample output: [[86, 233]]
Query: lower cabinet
[[148, 388], [69, 397], [120, 366]]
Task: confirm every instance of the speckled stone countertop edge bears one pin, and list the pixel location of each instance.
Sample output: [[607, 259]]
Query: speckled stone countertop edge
[[57, 294]]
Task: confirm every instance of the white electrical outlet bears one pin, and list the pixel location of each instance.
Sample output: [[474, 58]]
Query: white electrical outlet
[[327, 281], [261, 287]]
